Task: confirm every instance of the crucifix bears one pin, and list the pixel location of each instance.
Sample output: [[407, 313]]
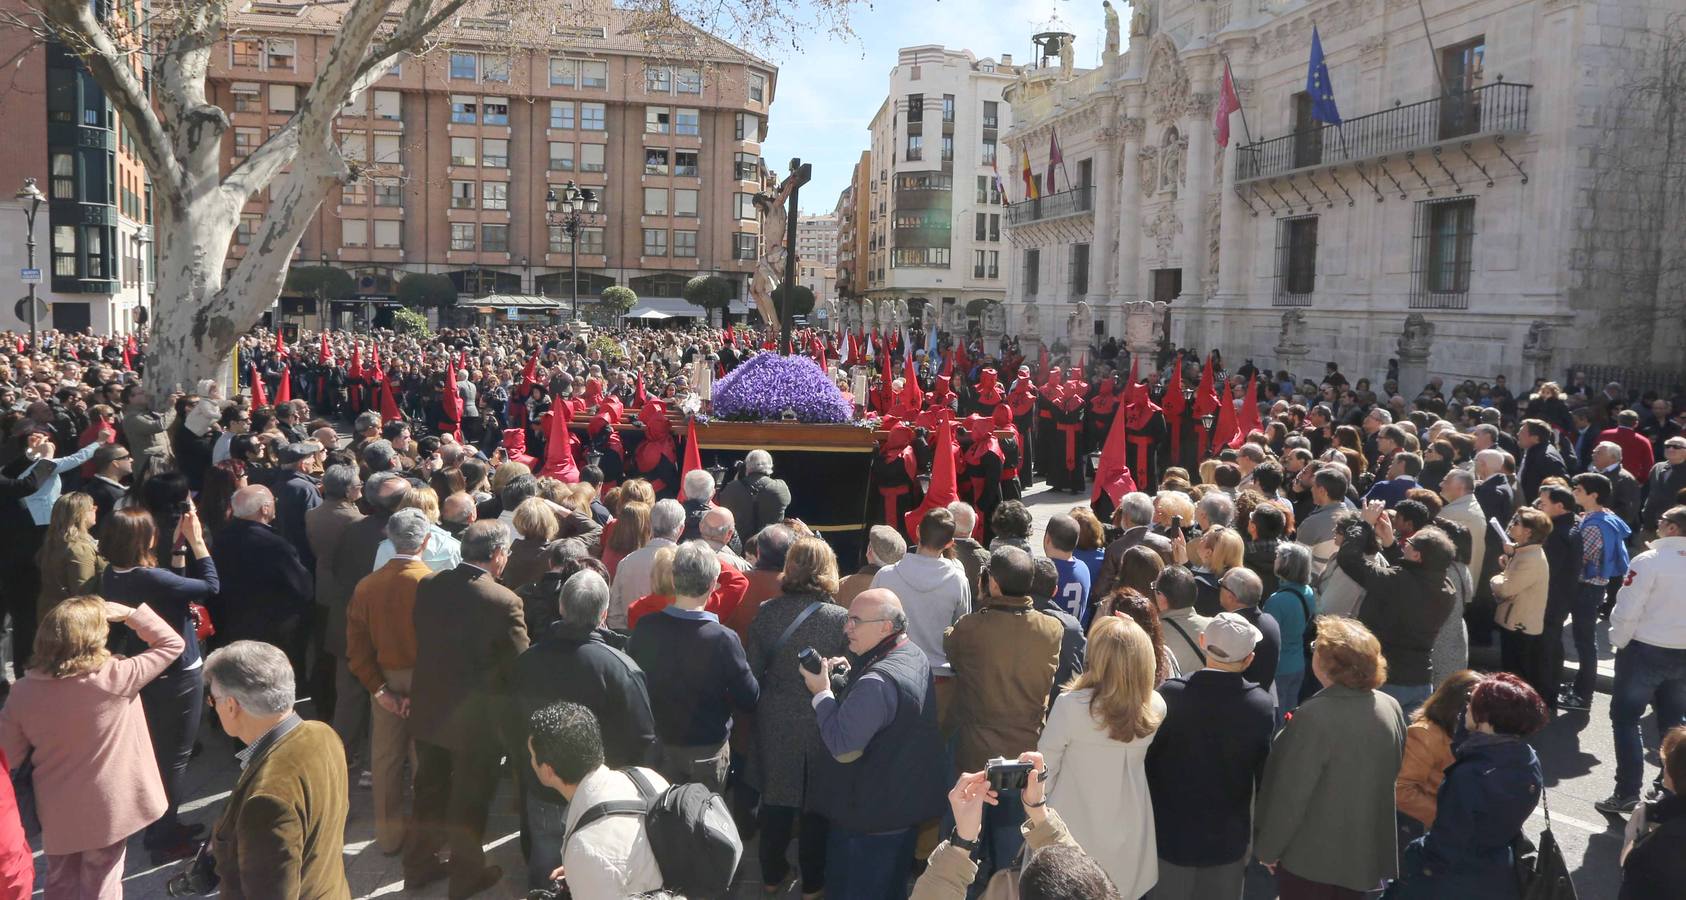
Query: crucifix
[[778, 206]]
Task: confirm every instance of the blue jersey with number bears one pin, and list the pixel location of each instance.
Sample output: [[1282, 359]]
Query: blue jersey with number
[[1073, 592]]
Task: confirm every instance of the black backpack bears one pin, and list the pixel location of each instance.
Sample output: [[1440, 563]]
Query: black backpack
[[690, 831]]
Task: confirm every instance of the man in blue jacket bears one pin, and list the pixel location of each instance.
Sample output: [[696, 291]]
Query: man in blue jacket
[[1603, 544]]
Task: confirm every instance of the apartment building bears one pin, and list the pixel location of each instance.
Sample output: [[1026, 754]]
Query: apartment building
[[853, 218], [816, 238], [459, 148], [939, 231], [92, 234]]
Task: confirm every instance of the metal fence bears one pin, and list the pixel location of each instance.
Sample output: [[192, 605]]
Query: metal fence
[[1663, 381], [1052, 206]]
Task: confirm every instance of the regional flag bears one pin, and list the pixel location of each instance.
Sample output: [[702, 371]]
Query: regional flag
[[1228, 103], [1054, 157]]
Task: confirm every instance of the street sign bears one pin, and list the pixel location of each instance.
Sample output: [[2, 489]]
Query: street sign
[[30, 276]]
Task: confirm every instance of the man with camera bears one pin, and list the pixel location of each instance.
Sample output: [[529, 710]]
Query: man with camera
[[883, 769], [282, 833]]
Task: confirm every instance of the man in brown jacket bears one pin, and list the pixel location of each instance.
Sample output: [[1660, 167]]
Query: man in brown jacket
[[282, 832], [469, 630], [324, 526], [1004, 657]]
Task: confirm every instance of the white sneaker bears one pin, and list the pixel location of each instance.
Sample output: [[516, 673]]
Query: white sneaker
[[366, 780]]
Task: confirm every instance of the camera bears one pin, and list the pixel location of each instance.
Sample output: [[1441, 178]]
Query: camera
[[198, 877], [1008, 774], [810, 660], [558, 890]]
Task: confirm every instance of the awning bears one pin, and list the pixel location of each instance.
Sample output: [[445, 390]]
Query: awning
[[678, 308], [515, 301], [650, 315]]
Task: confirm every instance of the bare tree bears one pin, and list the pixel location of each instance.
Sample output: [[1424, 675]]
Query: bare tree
[[178, 131]]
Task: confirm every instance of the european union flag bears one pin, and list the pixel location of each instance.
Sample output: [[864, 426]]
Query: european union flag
[[1317, 84]]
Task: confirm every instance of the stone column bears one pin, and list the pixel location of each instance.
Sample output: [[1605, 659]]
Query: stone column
[[1141, 323], [1196, 188], [1414, 345], [1101, 285], [1232, 282], [1128, 278]]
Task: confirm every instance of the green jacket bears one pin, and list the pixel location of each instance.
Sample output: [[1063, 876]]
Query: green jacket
[[1325, 811], [282, 833]]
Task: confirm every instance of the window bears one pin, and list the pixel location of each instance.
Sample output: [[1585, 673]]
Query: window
[[246, 97], [387, 105], [655, 242], [387, 233], [995, 226], [687, 121], [246, 140], [991, 118], [748, 127], [591, 116], [558, 239], [1296, 260], [389, 192], [757, 87], [980, 228], [357, 108], [977, 264], [561, 156], [685, 244], [983, 189], [354, 146], [246, 229], [1079, 270], [593, 73], [1445, 246], [1032, 262], [465, 66], [1461, 67], [355, 194], [561, 114], [64, 251], [496, 111], [684, 202], [463, 151], [688, 81], [746, 167], [744, 244], [64, 176], [494, 195], [386, 149], [915, 108], [948, 108], [658, 80], [657, 119], [921, 257], [354, 233], [591, 157], [464, 109], [100, 264], [948, 148], [562, 72], [283, 98], [591, 241], [247, 52], [655, 201], [280, 52], [494, 67], [915, 146], [685, 162], [494, 153], [462, 236], [655, 161], [494, 238], [988, 157], [994, 264], [744, 205], [462, 194]]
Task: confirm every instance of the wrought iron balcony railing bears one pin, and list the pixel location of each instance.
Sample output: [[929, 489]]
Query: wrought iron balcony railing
[[1053, 206], [1492, 109]]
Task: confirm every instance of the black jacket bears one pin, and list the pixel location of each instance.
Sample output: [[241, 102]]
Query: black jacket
[[1404, 605], [1536, 464], [585, 669], [1204, 765], [1656, 866], [1073, 645], [263, 583]]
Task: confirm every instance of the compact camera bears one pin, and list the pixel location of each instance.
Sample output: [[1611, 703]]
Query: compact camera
[[1008, 774]]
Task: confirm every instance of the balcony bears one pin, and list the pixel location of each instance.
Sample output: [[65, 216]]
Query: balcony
[[1493, 109], [1076, 201]]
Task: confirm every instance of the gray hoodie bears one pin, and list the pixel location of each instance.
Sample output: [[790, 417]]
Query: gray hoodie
[[934, 595]]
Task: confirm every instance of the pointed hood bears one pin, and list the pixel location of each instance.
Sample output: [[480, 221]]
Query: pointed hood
[[944, 489], [1206, 395], [693, 450], [984, 441], [1112, 473], [1175, 403], [389, 405], [284, 390], [1249, 421], [989, 387], [515, 447], [658, 437], [1225, 429], [559, 446], [259, 396], [451, 401]]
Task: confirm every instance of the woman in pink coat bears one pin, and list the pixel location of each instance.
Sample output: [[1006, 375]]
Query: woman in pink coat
[[76, 715]]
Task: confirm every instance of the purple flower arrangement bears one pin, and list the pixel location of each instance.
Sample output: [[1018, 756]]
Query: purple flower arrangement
[[767, 384]]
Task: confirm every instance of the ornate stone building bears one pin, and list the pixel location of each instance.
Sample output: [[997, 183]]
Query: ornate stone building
[[1492, 202]]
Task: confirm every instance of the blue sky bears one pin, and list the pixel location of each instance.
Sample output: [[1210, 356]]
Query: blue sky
[[830, 88]]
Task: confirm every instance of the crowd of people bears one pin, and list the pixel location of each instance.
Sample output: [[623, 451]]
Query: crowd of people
[[1247, 640]]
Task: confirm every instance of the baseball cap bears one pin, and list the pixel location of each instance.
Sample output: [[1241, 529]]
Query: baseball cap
[[1230, 637]]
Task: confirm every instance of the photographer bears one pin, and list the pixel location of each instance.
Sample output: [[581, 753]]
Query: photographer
[[883, 768], [1056, 866]]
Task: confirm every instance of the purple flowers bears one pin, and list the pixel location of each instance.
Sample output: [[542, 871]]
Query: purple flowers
[[763, 387]]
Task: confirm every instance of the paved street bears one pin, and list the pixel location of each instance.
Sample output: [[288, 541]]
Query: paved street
[[1576, 750]]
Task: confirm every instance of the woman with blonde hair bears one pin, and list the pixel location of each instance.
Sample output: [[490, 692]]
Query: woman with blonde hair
[[77, 717], [535, 527], [1218, 551], [631, 532], [69, 559], [1095, 744], [661, 594], [633, 490]]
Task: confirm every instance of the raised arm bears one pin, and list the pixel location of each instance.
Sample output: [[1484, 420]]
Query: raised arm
[[163, 645]]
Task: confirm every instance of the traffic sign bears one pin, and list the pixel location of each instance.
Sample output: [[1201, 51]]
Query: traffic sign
[[30, 276]]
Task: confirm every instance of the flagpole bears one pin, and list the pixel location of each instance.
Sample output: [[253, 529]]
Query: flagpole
[[1239, 106]]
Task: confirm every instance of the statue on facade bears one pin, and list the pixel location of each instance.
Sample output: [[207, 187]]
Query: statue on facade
[[1068, 58], [1173, 162], [994, 319], [1112, 41], [770, 203], [1415, 339], [1138, 20], [1081, 325], [1032, 321], [1541, 339], [1288, 336]]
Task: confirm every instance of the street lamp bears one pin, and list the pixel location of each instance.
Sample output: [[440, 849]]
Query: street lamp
[[31, 195], [143, 240], [568, 211]]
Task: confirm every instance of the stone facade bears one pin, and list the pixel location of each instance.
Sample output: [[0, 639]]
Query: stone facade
[[1505, 190]]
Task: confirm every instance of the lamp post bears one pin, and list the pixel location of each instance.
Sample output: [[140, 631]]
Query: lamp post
[[31, 196], [568, 211], [143, 240]]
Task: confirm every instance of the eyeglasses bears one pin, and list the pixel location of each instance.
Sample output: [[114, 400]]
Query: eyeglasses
[[857, 621]]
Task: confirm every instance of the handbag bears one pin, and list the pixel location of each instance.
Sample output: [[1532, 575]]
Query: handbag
[[1541, 873], [203, 627], [23, 789]]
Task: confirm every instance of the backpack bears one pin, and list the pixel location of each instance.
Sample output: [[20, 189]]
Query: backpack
[[690, 831]]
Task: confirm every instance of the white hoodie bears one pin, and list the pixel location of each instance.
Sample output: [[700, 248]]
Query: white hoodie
[[934, 595]]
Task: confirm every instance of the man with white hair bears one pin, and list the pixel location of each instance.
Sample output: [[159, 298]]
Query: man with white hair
[[756, 498], [1624, 486], [1492, 489], [696, 494], [632, 576], [283, 826], [1135, 515], [267, 593], [885, 546], [973, 556], [1458, 490], [718, 530]]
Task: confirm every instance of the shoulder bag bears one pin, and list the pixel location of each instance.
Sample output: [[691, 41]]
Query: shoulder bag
[[784, 638], [1541, 873]]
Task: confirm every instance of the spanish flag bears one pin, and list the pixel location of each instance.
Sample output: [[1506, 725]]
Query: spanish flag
[[1030, 191]]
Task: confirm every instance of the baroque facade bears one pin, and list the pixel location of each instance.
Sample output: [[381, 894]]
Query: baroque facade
[[1470, 186]]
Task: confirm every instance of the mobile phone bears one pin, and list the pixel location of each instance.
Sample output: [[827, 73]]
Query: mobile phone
[[1177, 522]]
